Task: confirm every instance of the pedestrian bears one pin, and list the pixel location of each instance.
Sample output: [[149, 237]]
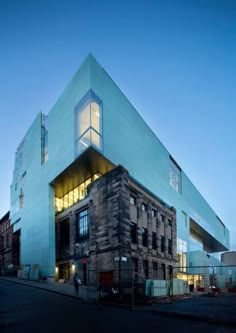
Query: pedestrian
[[77, 283]]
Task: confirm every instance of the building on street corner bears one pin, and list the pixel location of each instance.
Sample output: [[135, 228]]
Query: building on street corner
[[63, 181]]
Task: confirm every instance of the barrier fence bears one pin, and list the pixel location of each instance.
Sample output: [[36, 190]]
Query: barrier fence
[[171, 282]]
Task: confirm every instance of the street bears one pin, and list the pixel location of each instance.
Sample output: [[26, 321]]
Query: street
[[26, 309]]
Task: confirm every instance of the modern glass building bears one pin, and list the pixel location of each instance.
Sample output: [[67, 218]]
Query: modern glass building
[[51, 171]]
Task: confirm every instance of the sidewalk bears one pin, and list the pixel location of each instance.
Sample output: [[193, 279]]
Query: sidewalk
[[67, 289]]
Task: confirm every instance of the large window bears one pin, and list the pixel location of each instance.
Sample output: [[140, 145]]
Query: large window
[[82, 222], [133, 232], [154, 240], [75, 195], [169, 246], [88, 123], [175, 175], [162, 244], [144, 236], [182, 254]]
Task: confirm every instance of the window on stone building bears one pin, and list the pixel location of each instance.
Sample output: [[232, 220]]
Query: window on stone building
[[170, 271], [163, 271], [169, 246], [64, 235], [154, 240], [82, 223], [89, 123], [162, 244], [154, 213], [174, 175], [144, 207], [132, 200], [144, 236], [169, 222], [163, 218], [145, 269], [7, 241], [133, 232], [135, 264], [154, 268]]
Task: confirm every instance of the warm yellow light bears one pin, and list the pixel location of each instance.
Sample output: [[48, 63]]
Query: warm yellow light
[[56, 270], [73, 267]]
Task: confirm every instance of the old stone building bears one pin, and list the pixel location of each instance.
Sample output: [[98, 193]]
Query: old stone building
[[9, 247], [119, 228]]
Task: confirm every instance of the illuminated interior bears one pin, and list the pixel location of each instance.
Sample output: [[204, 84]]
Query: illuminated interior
[[75, 195], [89, 123], [71, 185], [197, 280]]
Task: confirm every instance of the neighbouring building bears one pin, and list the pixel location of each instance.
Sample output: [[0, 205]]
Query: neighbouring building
[[54, 168], [118, 223], [229, 258], [9, 247]]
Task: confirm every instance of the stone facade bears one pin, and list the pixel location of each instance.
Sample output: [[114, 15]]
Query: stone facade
[[9, 247], [130, 231]]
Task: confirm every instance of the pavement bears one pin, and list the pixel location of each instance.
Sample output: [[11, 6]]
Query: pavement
[[66, 289], [219, 309]]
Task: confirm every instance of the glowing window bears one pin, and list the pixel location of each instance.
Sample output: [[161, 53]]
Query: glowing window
[[89, 123]]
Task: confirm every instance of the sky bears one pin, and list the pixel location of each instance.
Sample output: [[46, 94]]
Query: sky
[[175, 61]]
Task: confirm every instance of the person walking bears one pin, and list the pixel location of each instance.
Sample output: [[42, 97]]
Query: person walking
[[77, 283]]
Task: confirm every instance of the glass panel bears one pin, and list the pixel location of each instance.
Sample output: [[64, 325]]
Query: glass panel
[[66, 201], [58, 205], [95, 116], [81, 191], [95, 139], [84, 119], [71, 198], [84, 142], [76, 194]]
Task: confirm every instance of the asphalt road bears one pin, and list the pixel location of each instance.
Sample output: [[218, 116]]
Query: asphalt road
[[26, 309]]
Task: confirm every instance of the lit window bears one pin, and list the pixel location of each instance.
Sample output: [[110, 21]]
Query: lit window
[[82, 222], [89, 123], [182, 254], [175, 175]]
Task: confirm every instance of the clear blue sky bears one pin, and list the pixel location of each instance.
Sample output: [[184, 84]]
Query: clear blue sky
[[174, 60]]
